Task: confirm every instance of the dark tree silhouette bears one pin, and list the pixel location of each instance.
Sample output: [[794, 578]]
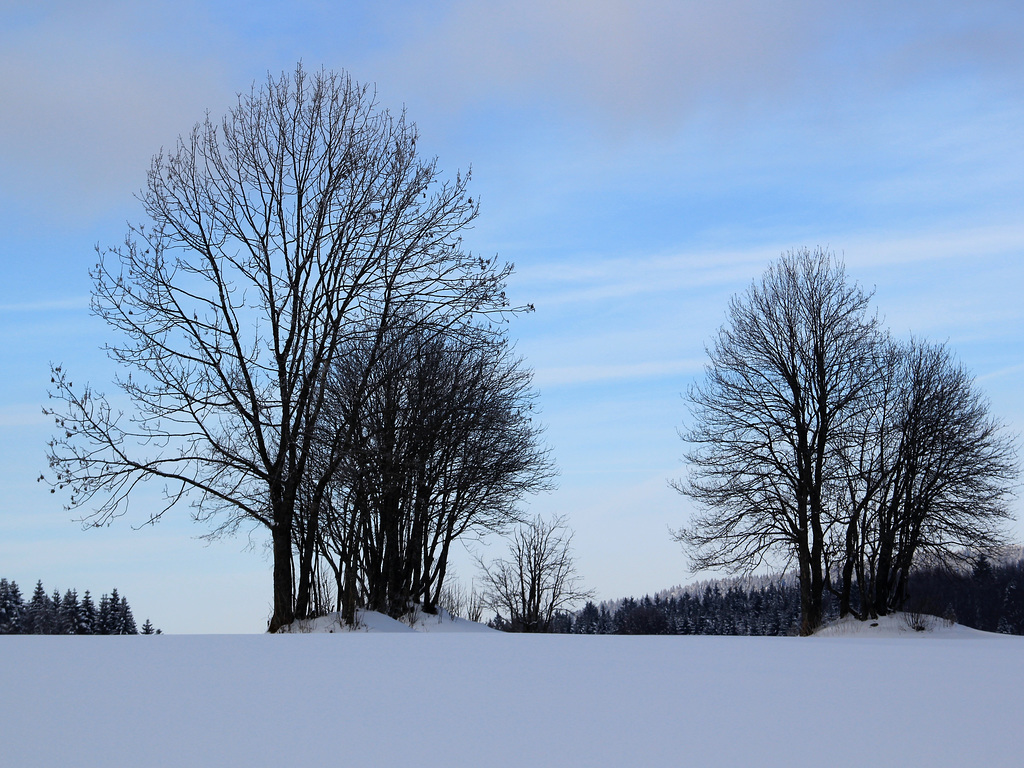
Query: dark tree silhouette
[[932, 479], [56, 615], [273, 237], [818, 438], [786, 376], [444, 443]]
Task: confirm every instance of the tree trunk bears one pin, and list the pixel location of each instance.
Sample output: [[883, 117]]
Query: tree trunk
[[807, 624], [848, 566], [883, 576], [281, 535], [302, 597]]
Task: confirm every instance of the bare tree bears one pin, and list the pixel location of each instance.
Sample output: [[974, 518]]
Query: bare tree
[[461, 602], [941, 473], [537, 580], [787, 375], [863, 477], [302, 218], [445, 443], [818, 438]]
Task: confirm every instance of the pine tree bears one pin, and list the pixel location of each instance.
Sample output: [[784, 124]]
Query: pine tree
[[147, 628], [104, 617], [11, 608], [1011, 615], [68, 615], [985, 607], [125, 619], [47, 615], [86, 616], [55, 627], [41, 614], [588, 619]]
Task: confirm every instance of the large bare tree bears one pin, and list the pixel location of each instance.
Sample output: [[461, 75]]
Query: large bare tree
[[304, 216], [788, 373]]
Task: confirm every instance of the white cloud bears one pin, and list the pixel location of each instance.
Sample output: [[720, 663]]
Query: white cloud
[[1007, 371], [595, 279], [77, 302], [631, 61], [588, 374]]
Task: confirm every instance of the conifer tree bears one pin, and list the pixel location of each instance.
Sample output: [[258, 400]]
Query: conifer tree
[[41, 613], [125, 619], [1011, 616], [11, 608], [588, 620], [104, 616], [55, 601], [68, 613], [983, 579], [86, 616]]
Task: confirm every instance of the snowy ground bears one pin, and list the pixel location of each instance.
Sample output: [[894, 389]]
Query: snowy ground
[[950, 697], [371, 621]]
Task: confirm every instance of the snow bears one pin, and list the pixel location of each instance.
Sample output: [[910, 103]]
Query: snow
[[901, 625], [941, 698], [445, 622], [372, 621]]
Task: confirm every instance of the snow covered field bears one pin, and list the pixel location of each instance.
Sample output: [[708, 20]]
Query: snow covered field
[[951, 697]]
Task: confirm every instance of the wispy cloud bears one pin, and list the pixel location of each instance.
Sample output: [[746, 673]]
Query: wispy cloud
[[589, 374], [1007, 371], [76, 303], [972, 242], [594, 279], [22, 415], [651, 62]]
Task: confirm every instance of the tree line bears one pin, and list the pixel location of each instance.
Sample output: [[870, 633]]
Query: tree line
[[46, 614], [819, 439], [717, 609], [988, 596]]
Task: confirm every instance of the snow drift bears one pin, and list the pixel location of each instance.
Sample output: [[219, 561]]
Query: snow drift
[[372, 621]]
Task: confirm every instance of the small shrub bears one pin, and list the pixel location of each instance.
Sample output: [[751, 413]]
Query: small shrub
[[917, 621]]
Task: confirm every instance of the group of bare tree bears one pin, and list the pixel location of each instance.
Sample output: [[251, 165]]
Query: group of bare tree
[[435, 438], [818, 437], [307, 347]]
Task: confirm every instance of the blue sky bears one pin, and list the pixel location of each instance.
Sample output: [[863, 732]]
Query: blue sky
[[640, 162]]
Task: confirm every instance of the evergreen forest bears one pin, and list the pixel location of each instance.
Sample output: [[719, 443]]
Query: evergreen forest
[[67, 614], [989, 596]]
